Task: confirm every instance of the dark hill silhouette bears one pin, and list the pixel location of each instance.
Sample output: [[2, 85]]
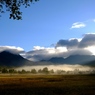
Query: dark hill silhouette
[[57, 60], [16, 60], [91, 63], [73, 59], [10, 59], [80, 59]]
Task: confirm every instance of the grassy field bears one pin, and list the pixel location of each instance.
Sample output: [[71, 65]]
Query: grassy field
[[47, 84]]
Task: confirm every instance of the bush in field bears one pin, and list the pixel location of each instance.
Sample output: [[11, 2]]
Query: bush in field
[[60, 71], [45, 70], [19, 71], [0, 69], [33, 71], [39, 71], [23, 71], [12, 71], [4, 70], [51, 71]]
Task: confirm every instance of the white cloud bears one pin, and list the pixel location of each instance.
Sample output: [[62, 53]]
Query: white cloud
[[91, 49], [40, 53], [63, 48], [48, 53], [84, 45], [12, 49], [79, 39], [49, 50], [37, 48], [81, 24], [78, 25]]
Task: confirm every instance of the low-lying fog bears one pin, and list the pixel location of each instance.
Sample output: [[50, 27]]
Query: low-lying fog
[[58, 67]]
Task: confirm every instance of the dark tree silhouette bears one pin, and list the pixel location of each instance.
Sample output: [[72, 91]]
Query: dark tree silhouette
[[4, 70], [33, 71], [13, 6], [45, 70]]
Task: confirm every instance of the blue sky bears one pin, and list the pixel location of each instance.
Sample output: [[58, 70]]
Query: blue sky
[[46, 22]]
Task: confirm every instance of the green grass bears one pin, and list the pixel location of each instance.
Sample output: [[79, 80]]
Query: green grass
[[47, 84]]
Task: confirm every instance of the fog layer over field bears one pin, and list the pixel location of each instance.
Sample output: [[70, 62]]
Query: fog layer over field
[[58, 67]]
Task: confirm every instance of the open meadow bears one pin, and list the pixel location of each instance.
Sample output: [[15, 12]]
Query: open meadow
[[21, 84]]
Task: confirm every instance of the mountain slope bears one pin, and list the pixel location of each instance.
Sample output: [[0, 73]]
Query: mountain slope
[[91, 63], [73, 59], [80, 59], [10, 59]]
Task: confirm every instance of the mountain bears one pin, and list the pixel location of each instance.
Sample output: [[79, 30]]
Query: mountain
[[73, 59], [91, 63], [79, 59], [57, 60], [15, 60], [10, 59]]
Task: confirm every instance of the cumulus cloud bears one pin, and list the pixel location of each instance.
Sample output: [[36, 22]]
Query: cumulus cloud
[[63, 48], [85, 45], [91, 49], [71, 43], [87, 40], [37, 48], [78, 51], [78, 25], [12, 49], [44, 53]]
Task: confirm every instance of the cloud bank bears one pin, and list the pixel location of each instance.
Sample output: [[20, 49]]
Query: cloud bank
[[12, 49], [62, 48], [86, 41]]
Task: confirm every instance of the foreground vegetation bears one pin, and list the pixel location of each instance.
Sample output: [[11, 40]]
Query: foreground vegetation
[[26, 84], [45, 70]]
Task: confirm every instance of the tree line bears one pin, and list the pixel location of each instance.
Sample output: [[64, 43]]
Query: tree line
[[23, 71], [45, 70]]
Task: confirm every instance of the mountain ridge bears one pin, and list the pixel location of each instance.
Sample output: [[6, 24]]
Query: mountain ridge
[[73, 59], [10, 59]]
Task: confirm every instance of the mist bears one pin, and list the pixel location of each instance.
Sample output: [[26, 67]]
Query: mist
[[64, 67]]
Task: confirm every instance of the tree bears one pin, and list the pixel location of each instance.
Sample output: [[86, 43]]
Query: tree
[[33, 71], [23, 71], [13, 6], [0, 69], [4, 70], [51, 71], [45, 70], [11, 71], [39, 71]]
